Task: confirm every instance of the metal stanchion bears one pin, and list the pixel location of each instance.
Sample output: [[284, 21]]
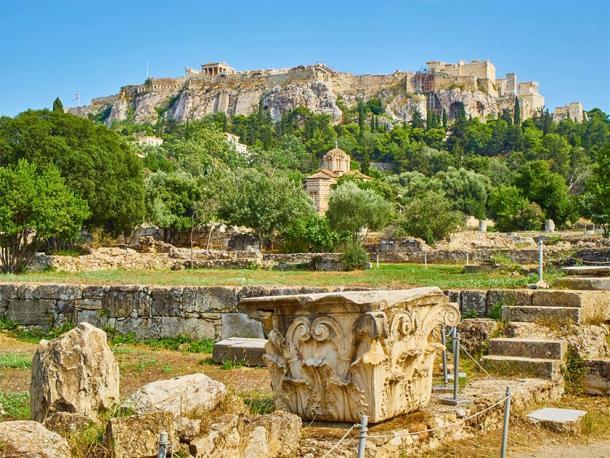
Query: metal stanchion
[[163, 445], [444, 386], [455, 400], [540, 257], [364, 420], [425, 260], [506, 418]]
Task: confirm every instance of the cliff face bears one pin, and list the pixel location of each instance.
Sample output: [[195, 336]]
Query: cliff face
[[315, 87]]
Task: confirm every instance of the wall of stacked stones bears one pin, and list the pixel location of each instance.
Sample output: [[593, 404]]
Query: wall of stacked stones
[[206, 312]]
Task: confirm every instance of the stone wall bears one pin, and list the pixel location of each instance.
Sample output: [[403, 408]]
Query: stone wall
[[148, 311]]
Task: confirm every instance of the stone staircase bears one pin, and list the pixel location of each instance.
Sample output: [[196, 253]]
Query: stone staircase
[[559, 306], [526, 357]]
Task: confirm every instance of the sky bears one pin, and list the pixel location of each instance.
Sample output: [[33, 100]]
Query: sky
[[55, 49]]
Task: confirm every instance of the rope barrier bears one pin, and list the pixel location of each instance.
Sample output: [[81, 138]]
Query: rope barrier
[[482, 368], [340, 440], [463, 420]]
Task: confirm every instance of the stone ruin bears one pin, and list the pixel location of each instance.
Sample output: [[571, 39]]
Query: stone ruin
[[338, 356]]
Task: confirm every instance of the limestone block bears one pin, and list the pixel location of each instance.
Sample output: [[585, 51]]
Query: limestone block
[[556, 298], [94, 291], [210, 299], [166, 301], [137, 436], [240, 350], [7, 292], [559, 420], [265, 436], [475, 333], [31, 439], [597, 379], [453, 295], [509, 297], [30, 312], [240, 325], [76, 372], [195, 328], [120, 303], [337, 356], [180, 396], [473, 302]]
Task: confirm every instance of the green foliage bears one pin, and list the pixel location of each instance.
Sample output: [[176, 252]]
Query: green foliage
[[35, 205], [267, 204], [512, 211], [259, 403], [596, 200], [574, 371], [16, 405], [466, 190], [353, 256], [429, 216], [58, 106], [15, 361], [178, 343], [351, 208], [310, 233], [95, 163]]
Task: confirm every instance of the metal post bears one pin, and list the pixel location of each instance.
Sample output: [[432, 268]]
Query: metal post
[[163, 444], [378, 260], [467, 260], [506, 418], [456, 363], [364, 420], [444, 340], [426, 260], [540, 256]]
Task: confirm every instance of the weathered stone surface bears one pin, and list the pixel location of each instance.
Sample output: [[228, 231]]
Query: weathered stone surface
[[593, 271], [240, 350], [65, 422], [473, 303], [187, 429], [559, 420], [522, 366], [596, 381], [75, 372], [584, 283], [31, 312], [531, 314], [266, 436], [509, 297], [528, 347], [336, 356], [137, 436], [180, 396], [240, 325], [30, 439], [476, 332]]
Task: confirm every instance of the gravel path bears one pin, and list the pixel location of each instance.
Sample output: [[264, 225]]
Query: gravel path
[[595, 450]]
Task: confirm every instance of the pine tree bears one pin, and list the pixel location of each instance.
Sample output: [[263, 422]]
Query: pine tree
[[517, 121], [416, 118], [58, 106]]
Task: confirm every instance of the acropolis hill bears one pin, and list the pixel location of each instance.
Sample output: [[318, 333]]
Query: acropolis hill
[[217, 87]]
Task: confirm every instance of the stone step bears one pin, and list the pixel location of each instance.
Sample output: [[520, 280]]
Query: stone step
[[535, 313], [528, 348], [521, 366], [240, 350], [584, 283], [590, 270]]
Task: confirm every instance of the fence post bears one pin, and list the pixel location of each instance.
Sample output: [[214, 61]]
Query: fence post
[[506, 417], [444, 340], [540, 256], [455, 401], [364, 420], [163, 444], [425, 260], [467, 258]]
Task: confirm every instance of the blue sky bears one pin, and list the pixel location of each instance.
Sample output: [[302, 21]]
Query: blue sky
[[50, 49]]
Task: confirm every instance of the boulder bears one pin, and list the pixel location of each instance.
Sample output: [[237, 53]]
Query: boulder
[[137, 436], [65, 423], [180, 396], [235, 436], [31, 439], [75, 373]]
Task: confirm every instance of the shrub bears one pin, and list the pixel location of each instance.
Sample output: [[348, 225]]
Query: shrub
[[354, 256], [430, 217]]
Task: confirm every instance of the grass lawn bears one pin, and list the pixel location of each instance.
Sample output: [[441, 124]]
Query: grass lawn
[[386, 276]]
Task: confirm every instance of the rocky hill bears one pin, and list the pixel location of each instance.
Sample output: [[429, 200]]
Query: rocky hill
[[317, 87]]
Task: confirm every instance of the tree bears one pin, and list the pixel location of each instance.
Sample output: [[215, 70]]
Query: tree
[[310, 233], [416, 118], [267, 203], [35, 205], [596, 200], [517, 119], [512, 211], [58, 106], [445, 119], [466, 190], [430, 217], [351, 208], [170, 202], [96, 163]]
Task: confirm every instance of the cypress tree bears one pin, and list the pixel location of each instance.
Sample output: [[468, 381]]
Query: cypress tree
[[517, 121], [444, 119], [58, 106]]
